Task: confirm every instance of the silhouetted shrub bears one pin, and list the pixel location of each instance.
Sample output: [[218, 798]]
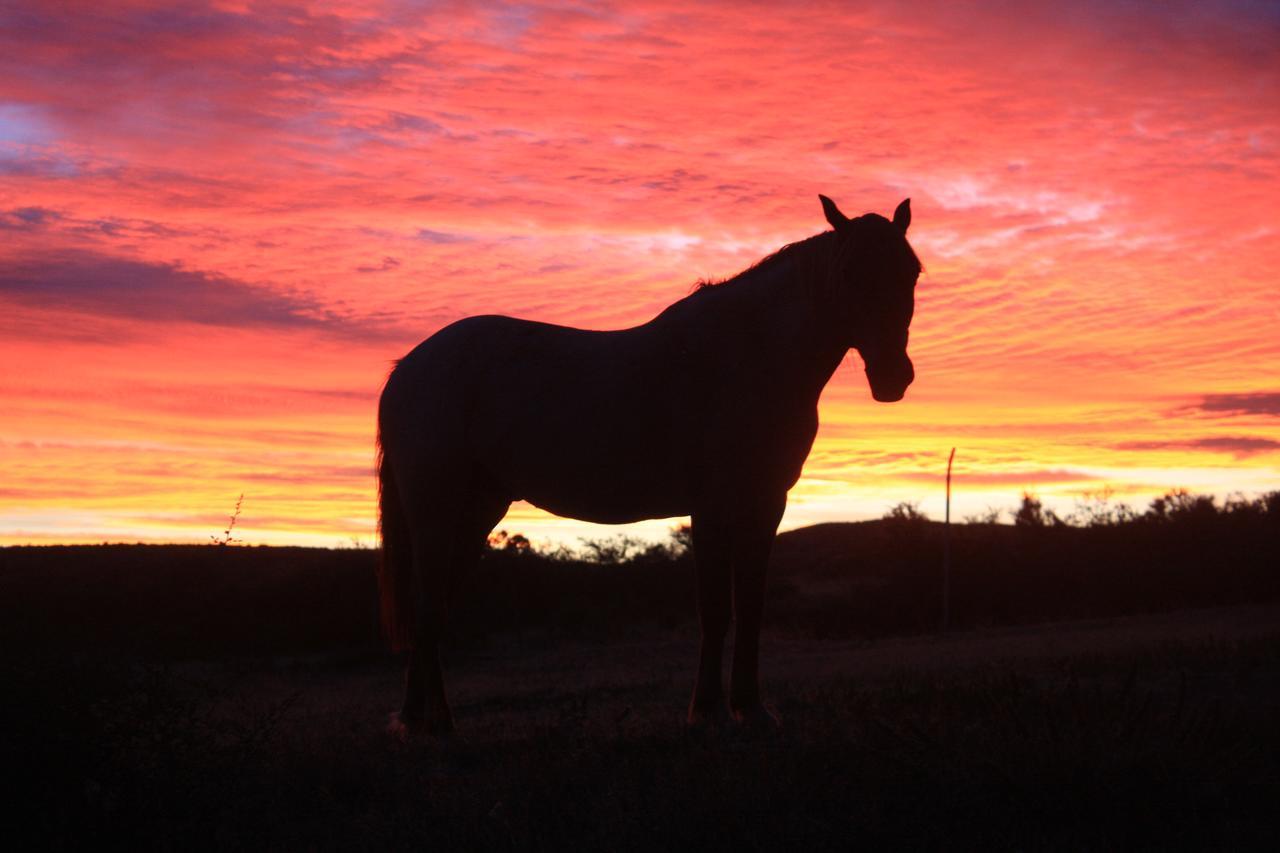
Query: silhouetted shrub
[[1031, 513], [832, 580], [516, 543], [906, 511]]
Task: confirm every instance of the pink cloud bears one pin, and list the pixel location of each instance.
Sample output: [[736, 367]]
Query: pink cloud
[[1093, 188]]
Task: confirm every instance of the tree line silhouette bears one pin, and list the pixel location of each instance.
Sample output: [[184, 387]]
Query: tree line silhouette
[[867, 579], [842, 580]]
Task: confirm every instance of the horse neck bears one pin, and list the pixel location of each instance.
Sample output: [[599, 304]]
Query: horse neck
[[774, 313]]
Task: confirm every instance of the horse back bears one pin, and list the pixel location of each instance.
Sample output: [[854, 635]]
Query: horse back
[[606, 426], [584, 423]]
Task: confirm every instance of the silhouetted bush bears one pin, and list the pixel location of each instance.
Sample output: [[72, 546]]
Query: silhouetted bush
[[906, 511], [1031, 513], [832, 580]]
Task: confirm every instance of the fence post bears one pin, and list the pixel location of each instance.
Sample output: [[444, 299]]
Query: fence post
[[946, 551]]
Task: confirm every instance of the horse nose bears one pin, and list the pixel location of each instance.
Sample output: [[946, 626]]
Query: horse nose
[[890, 386], [885, 395]]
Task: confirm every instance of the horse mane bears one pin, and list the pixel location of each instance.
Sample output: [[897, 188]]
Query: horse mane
[[804, 252], [816, 257]]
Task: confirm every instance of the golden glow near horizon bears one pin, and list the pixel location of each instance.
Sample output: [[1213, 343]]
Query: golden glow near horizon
[[219, 225]]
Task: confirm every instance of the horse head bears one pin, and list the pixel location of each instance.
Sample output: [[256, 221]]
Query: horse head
[[873, 294]]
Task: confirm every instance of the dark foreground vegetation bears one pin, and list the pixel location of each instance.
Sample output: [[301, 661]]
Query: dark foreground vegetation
[[832, 581], [222, 697]]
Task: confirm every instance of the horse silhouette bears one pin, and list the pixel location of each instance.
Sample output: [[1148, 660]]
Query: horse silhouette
[[707, 410]]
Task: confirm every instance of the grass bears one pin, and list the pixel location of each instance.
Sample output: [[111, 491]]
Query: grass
[[1164, 745], [223, 697]]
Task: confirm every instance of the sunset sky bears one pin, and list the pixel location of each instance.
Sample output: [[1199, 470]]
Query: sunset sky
[[220, 224]]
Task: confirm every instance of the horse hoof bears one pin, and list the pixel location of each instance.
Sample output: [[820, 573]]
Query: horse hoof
[[757, 718], [405, 730], [411, 729], [706, 721]]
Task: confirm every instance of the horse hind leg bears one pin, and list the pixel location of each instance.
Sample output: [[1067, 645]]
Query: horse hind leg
[[425, 709], [711, 553], [445, 544]]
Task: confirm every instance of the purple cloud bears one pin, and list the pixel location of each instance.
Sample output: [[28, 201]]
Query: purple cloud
[[91, 283], [1238, 446], [1264, 403], [388, 263], [426, 235], [27, 218]]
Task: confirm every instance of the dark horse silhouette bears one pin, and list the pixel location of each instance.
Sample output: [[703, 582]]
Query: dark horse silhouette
[[708, 410]]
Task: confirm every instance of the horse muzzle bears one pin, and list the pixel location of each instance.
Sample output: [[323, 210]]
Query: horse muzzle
[[889, 382]]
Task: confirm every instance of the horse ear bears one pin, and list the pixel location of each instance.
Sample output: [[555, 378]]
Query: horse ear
[[837, 219], [902, 216]]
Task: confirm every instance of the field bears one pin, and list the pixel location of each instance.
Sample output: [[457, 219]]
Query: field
[[235, 697]]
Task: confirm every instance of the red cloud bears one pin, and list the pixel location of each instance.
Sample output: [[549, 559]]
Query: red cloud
[[1093, 192]]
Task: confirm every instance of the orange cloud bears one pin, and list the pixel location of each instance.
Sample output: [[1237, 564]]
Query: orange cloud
[[219, 223]]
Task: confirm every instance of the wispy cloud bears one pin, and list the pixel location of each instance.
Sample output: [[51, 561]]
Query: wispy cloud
[[1017, 479], [296, 193], [27, 218], [388, 263], [1239, 446], [1262, 403]]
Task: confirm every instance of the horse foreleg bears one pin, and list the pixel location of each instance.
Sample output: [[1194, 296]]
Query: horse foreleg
[[712, 557], [750, 564]]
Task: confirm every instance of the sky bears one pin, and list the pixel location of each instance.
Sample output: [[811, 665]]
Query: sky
[[221, 223]]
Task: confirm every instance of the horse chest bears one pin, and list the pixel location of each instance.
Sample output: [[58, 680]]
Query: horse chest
[[763, 446]]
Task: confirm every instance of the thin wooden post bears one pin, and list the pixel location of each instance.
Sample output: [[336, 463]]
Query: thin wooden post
[[946, 551]]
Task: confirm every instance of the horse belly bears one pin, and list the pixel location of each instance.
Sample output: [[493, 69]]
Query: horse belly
[[608, 476], [615, 508], [614, 489]]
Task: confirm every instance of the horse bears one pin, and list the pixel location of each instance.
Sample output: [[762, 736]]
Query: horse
[[708, 410]]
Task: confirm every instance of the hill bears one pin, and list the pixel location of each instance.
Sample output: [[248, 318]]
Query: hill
[[855, 580]]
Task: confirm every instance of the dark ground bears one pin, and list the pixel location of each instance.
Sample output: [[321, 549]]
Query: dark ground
[[235, 697]]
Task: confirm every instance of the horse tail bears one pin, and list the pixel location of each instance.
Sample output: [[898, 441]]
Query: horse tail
[[395, 565]]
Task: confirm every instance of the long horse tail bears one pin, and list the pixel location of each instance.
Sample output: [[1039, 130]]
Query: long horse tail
[[395, 565]]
